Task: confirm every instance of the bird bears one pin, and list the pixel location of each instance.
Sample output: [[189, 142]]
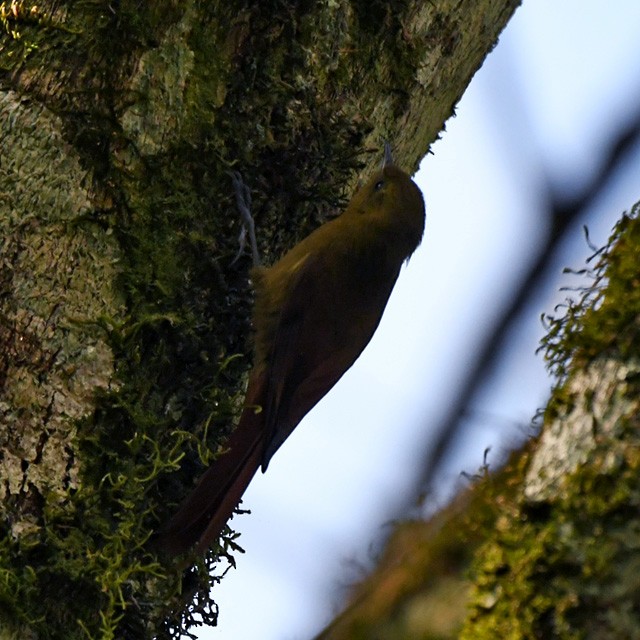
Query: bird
[[315, 311]]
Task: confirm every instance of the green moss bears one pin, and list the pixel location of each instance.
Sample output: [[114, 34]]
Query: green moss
[[597, 323], [564, 563], [153, 117], [157, 351], [569, 574]]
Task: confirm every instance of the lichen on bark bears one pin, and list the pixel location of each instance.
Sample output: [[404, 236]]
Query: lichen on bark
[[57, 277], [563, 559], [125, 325]]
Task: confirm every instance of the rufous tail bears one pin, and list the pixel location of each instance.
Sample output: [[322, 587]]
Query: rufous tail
[[201, 517]]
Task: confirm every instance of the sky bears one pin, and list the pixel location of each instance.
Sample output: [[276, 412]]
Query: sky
[[562, 79]]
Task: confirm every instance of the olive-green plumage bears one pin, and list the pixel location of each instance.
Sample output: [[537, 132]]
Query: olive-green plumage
[[315, 311]]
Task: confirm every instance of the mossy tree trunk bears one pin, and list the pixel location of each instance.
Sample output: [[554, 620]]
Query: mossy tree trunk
[[124, 327], [564, 559]]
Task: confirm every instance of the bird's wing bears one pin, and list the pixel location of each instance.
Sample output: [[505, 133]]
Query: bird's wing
[[316, 341]]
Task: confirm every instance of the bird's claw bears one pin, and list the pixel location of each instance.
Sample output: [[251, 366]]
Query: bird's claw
[[243, 201]]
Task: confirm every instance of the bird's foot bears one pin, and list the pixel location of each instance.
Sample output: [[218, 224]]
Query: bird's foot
[[243, 200]]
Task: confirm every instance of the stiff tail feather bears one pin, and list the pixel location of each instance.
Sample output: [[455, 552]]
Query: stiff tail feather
[[203, 514]]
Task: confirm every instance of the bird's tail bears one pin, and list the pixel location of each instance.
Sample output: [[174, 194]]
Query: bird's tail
[[202, 515]]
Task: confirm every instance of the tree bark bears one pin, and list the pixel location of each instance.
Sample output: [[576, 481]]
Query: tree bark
[[563, 560], [123, 323]]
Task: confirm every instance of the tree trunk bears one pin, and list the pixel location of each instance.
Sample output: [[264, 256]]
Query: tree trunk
[[123, 323]]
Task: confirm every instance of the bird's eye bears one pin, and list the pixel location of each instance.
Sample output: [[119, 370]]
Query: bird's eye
[[378, 185]]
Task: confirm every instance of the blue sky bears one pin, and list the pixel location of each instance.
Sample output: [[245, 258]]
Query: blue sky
[[563, 78]]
